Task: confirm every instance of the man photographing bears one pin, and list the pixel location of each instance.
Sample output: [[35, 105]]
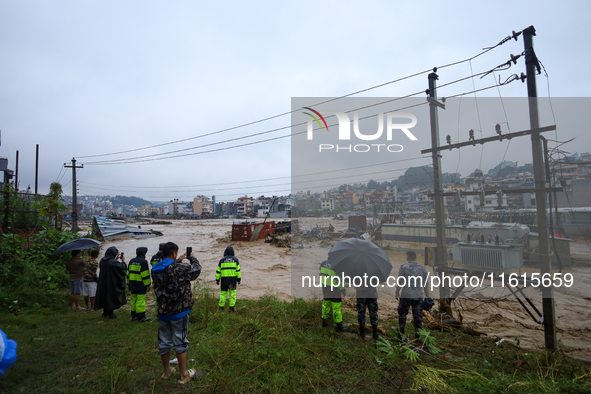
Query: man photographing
[[171, 279]]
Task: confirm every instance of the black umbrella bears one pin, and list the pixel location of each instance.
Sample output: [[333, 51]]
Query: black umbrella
[[77, 244], [357, 257]]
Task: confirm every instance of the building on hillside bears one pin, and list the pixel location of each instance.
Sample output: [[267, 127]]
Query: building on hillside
[[576, 194], [327, 203], [392, 191], [490, 203], [407, 196], [144, 210]]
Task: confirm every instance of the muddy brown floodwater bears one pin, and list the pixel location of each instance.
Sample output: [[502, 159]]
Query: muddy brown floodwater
[[267, 269]]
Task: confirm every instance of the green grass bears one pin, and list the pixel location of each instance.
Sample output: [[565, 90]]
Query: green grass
[[267, 346]]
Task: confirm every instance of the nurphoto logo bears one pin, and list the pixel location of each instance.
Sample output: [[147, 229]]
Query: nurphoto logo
[[344, 132]]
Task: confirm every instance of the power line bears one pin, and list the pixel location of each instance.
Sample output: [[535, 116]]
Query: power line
[[131, 161], [275, 192], [95, 189], [485, 50], [126, 160], [152, 156], [277, 184], [266, 179]]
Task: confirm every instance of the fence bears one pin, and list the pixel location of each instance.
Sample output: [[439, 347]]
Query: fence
[[18, 209]]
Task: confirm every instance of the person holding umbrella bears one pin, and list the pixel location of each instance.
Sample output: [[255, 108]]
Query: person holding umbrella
[[110, 294], [361, 259], [75, 266], [367, 299]]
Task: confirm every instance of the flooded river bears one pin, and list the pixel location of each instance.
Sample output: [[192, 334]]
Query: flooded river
[[267, 269]]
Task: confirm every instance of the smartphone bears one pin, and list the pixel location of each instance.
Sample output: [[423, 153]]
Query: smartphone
[[189, 251], [122, 254]]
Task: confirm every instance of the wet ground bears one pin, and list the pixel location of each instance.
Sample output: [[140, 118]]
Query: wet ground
[[268, 269]]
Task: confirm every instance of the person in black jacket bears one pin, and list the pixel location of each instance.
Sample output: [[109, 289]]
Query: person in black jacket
[[110, 293], [158, 256], [138, 283]]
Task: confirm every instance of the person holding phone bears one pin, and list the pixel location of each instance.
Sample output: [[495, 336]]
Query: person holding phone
[[171, 279], [110, 292]]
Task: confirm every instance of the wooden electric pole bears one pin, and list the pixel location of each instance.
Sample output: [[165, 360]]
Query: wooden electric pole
[[74, 194], [37, 169]]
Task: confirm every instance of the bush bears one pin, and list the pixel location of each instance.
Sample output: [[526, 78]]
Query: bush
[[29, 273]]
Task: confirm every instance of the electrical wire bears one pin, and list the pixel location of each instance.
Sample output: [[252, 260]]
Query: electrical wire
[[70, 181], [258, 186], [263, 192], [60, 173], [272, 130], [266, 179], [290, 112], [151, 158], [229, 147]]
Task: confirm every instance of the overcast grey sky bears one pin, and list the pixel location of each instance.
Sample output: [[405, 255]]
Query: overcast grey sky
[[89, 78]]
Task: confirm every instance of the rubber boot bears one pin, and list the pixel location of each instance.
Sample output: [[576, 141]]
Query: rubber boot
[[374, 330], [324, 322], [141, 317], [221, 308], [362, 331], [232, 309], [339, 327]]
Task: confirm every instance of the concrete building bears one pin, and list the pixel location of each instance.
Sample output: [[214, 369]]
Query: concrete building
[[392, 192], [327, 203], [144, 210], [244, 206], [577, 194], [408, 196], [174, 206], [473, 203], [202, 205]]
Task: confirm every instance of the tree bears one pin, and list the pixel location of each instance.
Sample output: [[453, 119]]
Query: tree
[[51, 205]]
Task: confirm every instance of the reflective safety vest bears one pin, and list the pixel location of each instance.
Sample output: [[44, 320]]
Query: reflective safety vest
[[138, 276], [326, 274], [228, 267]]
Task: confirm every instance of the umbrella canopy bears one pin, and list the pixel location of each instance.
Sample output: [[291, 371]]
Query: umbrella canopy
[[77, 244], [357, 257]]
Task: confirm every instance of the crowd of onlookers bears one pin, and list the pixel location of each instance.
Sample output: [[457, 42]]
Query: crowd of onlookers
[[170, 278]]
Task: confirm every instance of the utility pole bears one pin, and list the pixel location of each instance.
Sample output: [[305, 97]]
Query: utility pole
[[37, 169], [441, 250], [16, 174], [74, 194], [531, 63]]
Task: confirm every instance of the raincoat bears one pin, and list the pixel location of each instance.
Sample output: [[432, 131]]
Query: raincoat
[[110, 293]]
